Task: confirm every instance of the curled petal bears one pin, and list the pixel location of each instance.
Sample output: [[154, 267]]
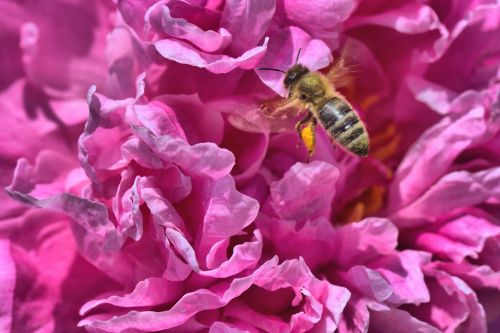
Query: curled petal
[[247, 21], [305, 191], [359, 242], [160, 17], [183, 53], [433, 154], [453, 191], [149, 292]]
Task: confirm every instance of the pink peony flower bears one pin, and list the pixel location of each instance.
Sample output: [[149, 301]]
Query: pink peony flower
[[184, 208]]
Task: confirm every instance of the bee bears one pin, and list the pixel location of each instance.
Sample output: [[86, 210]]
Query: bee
[[315, 92]]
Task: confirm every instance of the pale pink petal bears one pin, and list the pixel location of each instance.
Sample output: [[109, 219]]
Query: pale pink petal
[[305, 191], [227, 213], [359, 242], [160, 17], [183, 53], [201, 159], [403, 272]]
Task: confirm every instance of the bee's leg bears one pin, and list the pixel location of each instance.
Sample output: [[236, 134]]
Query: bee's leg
[[300, 123], [312, 141], [277, 109], [307, 134]]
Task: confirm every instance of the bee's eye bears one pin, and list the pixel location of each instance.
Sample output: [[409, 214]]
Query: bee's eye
[[303, 97]]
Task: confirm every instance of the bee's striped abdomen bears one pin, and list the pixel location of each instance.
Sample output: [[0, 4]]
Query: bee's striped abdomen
[[343, 124]]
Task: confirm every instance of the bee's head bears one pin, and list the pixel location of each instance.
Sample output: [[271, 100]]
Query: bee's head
[[293, 74]]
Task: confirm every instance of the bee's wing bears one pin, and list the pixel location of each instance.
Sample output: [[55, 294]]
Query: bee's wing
[[342, 72], [272, 116]]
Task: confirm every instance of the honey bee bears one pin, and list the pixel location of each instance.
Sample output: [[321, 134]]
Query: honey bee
[[315, 92]]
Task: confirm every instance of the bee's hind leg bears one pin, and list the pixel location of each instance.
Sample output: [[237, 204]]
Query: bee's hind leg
[[307, 133]]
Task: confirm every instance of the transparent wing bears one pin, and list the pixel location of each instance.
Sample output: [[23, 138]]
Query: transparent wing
[[343, 70], [274, 115]]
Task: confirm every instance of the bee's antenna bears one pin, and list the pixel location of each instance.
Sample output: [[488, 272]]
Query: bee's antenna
[[298, 54], [271, 69]]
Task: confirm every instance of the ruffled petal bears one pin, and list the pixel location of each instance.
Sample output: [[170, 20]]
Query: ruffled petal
[[305, 191], [248, 21], [183, 53]]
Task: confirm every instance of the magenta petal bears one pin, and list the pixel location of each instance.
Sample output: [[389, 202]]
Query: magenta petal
[[403, 272], [453, 191], [7, 285], [96, 235], [190, 304], [433, 153], [370, 283], [462, 237], [395, 320], [227, 213], [177, 27], [305, 191], [453, 306], [185, 54], [322, 17], [201, 159], [412, 18], [159, 119], [149, 292], [284, 45], [475, 276], [359, 242], [248, 22]]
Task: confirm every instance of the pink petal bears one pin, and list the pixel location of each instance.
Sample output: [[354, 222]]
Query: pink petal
[[322, 16], [433, 153], [7, 283], [369, 283], [201, 159], [394, 320], [227, 213], [160, 17], [284, 45], [190, 304], [456, 239], [200, 121], [149, 292], [453, 191], [403, 272], [183, 53], [359, 242], [412, 18], [453, 306], [312, 240], [475, 276], [247, 21], [305, 191]]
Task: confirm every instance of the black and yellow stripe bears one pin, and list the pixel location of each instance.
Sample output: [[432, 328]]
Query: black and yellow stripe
[[343, 124]]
